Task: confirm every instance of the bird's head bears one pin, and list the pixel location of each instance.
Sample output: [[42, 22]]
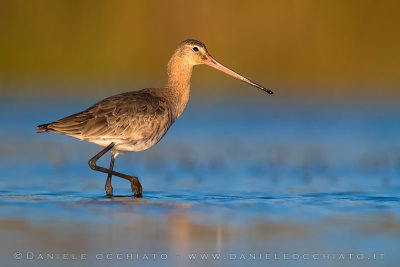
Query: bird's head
[[195, 53]]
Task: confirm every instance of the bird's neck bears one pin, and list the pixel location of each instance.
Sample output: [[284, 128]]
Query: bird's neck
[[178, 86]]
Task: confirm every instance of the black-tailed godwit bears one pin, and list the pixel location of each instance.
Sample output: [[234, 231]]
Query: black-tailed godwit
[[136, 121]]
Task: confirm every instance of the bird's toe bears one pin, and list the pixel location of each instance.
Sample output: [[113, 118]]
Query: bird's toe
[[109, 191], [136, 187]]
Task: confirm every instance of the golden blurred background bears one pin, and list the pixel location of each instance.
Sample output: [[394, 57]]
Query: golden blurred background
[[318, 48]]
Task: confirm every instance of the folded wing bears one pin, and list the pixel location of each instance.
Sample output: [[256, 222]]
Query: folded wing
[[133, 116]]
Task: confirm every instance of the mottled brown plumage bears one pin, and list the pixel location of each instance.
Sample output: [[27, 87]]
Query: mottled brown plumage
[[135, 121]]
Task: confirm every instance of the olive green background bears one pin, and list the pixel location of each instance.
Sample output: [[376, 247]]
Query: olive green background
[[308, 48]]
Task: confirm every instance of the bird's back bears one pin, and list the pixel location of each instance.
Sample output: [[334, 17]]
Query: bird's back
[[134, 121]]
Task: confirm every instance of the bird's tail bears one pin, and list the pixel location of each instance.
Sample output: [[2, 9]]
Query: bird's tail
[[43, 128]]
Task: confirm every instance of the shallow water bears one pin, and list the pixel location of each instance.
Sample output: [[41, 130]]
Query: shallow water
[[236, 182]]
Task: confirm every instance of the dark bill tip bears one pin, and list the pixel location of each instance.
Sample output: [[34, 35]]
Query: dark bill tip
[[262, 88]]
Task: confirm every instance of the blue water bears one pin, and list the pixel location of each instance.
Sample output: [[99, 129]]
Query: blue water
[[236, 177]]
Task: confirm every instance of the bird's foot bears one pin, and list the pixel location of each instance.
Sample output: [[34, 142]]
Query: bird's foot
[[136, 186], [109, 190]]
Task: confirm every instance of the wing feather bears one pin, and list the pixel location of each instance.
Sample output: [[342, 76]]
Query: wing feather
[[136, 116]]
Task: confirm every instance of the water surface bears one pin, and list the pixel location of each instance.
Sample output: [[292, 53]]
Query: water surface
[[232, 183]]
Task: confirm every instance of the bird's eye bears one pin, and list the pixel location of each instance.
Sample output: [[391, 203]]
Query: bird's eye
[[195, 49]]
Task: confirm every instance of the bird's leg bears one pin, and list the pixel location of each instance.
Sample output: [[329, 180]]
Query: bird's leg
[[135, 184], [108, 186]]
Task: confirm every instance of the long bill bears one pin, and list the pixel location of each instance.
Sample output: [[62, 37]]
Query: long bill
[[215, 64]]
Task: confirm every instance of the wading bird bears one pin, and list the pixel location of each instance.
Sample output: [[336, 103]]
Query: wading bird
[[137, 120]]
